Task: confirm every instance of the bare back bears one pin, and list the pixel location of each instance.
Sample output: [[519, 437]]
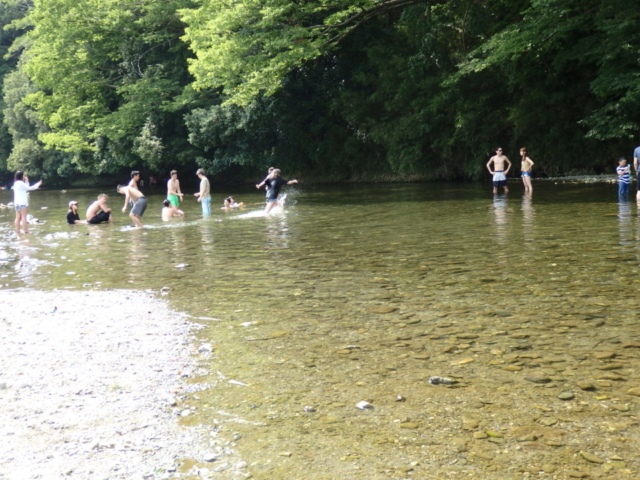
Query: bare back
[[92, 211]]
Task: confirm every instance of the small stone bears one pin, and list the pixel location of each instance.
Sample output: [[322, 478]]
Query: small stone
[[586, 386], [590, 457], [210, 457], [548, 468], [604, 355], [548, 421], [285, 454], [512, 368], [480, 435], [538, 379], [577, 474], [566, 396], [409, 425], [634, 391]]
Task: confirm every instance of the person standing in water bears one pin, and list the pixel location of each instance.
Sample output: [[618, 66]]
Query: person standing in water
[[21, 189], [636, 166], [499, 172], [135, 176], [174, 195], [204, 195], [273, 183], [139, 203], [525, 168], [624, 177]]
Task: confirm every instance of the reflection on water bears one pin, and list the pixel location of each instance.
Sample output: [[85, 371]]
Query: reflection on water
[[362, 293]]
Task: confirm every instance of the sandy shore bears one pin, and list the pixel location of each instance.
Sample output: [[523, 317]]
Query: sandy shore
[[90, 386]]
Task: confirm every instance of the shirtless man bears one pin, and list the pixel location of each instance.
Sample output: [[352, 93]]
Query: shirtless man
[[139, 203], [135, 177], [99, 211], [173, 189], [499, 173]]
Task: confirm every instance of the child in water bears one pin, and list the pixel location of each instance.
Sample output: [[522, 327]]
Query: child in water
[[273, 183], [169, 211], [230, 202]]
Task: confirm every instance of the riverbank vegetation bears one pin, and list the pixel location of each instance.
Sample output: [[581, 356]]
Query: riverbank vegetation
[[335, 90]]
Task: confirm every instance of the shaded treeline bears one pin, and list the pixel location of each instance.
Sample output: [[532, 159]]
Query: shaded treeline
[[339, 90]]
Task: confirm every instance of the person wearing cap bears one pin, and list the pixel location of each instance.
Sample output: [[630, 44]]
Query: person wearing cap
[[204, 195], [99, 211], [72, 215]]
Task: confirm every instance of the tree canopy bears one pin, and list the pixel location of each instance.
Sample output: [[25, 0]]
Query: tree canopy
[[345, 89]]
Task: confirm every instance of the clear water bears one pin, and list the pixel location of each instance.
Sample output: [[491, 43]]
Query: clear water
[[362, 293]]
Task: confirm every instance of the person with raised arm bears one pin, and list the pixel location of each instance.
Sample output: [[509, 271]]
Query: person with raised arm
[[21, 189]]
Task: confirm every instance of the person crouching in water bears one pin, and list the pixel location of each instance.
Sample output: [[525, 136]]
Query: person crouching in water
[[169, 211], [273, 183]]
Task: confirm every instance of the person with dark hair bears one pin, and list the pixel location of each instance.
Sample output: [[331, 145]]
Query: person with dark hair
[[174, 195], [525, 169], [499, 172], [169, 211], [139, 203], [624, 177], [135, 176], [73, 218], [21, 189], [204, 195]]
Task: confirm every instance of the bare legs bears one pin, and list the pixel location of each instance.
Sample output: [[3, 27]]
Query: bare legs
[[270, 205], [135, 219], [21, 217], [527, 184]]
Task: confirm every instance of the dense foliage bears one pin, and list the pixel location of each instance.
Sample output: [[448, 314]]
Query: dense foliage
[[345, 89]]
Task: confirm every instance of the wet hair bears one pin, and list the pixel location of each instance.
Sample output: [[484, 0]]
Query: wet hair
[[19, 175], [166, 203], [173, 172], [134, 173], [200, 172], [231, 199]]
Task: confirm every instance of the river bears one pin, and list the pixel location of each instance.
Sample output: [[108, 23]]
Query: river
[[364, 292]]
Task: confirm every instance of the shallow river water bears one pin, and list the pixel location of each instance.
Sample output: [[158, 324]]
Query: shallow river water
[[362, 293]]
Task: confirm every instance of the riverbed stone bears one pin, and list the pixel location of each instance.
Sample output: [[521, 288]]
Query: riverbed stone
[[635, 391], [566, 396], [590, 457]]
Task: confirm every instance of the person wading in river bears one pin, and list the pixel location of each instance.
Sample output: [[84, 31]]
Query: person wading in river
[[499, 172], [139, 203]]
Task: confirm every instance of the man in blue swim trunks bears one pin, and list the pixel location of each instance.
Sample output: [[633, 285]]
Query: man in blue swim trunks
[[499, 172]]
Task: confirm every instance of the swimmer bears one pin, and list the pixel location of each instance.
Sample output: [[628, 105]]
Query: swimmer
[[525, 168], [230, 202], [499, 173], [273, 183], [169, 211]]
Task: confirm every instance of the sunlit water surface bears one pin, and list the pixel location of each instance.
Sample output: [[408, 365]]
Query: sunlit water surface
[[336, 300]]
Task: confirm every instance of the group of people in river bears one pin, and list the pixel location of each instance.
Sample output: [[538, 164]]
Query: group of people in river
[[499, 172], [99, 211]]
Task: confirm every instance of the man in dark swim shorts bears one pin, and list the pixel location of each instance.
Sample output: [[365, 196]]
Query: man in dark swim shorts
[[99, 211]]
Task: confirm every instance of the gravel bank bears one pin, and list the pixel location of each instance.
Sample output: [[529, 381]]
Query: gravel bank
[[88, 389]]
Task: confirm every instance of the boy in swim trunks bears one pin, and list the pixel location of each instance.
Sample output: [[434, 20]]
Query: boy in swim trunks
[[139, 203], [99, 211], [135, 176], [174, 195], [499, 172]]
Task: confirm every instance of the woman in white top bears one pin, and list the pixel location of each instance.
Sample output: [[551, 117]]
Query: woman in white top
[[21, 189]]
